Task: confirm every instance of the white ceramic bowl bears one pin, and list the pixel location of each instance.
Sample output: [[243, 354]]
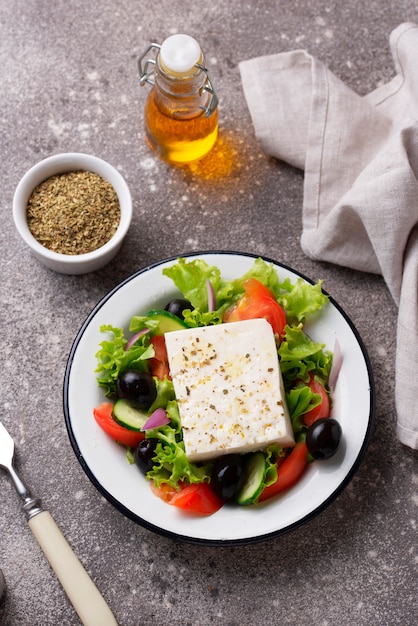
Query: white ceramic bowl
[[105, 463], [59, 164]]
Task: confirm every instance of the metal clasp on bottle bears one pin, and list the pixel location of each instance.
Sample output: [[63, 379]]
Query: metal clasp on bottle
[[146, 71], [147, 75]]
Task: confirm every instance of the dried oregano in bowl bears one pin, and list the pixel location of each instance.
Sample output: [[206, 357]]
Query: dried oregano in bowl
[[74, 212]]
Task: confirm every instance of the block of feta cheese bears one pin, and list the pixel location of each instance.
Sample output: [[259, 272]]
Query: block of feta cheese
[[229, 388]]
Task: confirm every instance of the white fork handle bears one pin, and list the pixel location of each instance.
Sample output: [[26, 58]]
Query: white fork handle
[[79, 587]]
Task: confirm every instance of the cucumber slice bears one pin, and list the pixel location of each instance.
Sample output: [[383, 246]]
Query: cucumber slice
[[255, 473], [128, 415], [167, 321]]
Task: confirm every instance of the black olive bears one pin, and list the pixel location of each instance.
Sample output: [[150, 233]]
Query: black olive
[[227, 475], [144, 453], [323, 438], [137, 386], [177, 306]]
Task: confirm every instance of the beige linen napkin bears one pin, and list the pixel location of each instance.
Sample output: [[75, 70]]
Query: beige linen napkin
[[360, 156]]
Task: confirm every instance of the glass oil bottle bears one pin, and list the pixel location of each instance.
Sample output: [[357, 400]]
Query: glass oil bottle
[[181, 114]]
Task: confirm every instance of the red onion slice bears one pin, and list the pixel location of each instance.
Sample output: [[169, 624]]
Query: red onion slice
[[158, 418], [211, 296], [337, 360], [134, 338]]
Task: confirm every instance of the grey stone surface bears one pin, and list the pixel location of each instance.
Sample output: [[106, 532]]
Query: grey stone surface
[[69, 82]]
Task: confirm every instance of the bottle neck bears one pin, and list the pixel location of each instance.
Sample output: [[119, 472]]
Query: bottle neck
[[178, 95]]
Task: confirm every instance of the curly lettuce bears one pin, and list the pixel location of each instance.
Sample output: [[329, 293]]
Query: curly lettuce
[[172, 466], [190, 278], [301, 299], [114, 358], [300, 356]]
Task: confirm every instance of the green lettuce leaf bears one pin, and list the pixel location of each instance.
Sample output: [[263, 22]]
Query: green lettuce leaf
[[171, 465], [300, 299], [140, 322], [165, 394], [273, 453], [194, 318], [299, 400], [114, 358], [191, 277], [300, 356]]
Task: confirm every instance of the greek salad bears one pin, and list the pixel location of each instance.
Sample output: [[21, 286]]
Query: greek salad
[[141, 411]]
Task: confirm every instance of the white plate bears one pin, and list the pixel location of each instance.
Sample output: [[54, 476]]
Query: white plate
[[125, 487]]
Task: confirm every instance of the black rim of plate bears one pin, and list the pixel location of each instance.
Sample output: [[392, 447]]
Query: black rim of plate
[[196, 540]]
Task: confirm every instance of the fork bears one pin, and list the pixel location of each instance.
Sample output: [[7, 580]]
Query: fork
[[79, 587]]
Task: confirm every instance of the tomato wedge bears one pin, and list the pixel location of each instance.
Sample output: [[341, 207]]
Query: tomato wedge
[[158, 364], [198, 498], [289, 472], [322, 410], [103, 416], [257, 302]]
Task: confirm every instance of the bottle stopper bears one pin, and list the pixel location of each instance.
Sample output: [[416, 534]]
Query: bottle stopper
[[179, 54]]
